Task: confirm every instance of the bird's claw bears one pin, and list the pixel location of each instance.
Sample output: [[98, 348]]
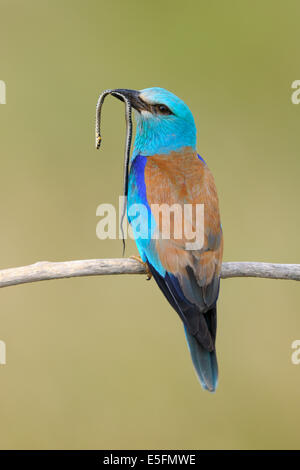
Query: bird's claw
[[139, 259]]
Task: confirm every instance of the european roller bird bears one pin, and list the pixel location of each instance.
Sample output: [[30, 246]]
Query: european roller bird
[[166, 170]]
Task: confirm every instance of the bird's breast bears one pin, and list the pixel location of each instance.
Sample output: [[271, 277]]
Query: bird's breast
[[176, 177]]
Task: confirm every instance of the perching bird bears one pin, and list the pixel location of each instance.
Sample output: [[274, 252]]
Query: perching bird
[[166, 169]]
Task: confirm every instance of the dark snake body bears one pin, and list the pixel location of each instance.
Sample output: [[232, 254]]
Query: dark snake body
[[128, 117]]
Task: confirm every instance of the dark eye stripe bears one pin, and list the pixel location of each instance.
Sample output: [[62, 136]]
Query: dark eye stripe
[[162, 109]]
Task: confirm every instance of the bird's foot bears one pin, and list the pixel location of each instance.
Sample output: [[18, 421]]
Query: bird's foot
[[139, 259]]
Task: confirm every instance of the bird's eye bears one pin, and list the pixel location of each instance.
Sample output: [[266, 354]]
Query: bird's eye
[[163, 109]]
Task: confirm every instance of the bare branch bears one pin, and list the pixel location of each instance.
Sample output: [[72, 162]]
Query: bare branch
[[45, 270], [263, 270]]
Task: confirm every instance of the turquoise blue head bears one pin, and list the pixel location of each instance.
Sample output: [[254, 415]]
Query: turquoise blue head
[[164, 122]]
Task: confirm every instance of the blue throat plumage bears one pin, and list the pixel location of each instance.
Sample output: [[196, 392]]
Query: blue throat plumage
[[158, 136]]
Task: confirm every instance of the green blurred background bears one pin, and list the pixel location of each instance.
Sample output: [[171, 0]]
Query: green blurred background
[[102, 362]]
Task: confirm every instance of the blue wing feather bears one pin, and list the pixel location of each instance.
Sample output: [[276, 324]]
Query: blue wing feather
[[137, 195]]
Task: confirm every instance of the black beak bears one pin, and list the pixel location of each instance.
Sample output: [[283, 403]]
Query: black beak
[[133, 97]]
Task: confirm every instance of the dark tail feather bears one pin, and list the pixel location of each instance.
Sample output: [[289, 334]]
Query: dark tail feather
[[205, 363]]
